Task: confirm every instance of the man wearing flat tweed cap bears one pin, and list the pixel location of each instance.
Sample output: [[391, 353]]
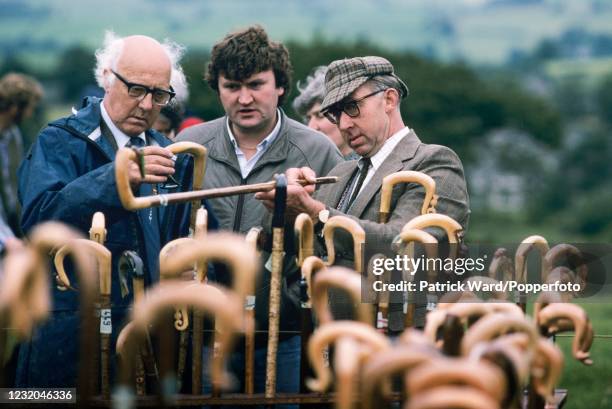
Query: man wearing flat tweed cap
[[362, 98]]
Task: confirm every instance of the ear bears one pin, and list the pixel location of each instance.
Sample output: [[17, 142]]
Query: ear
[[106, 73], [392, 99], [280, 91]]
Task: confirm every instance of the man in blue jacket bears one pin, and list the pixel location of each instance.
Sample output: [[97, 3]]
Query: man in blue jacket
[[68, 175]]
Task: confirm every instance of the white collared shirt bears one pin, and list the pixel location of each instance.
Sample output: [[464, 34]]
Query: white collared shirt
[[121, 138], [383, 153], [246, 166]]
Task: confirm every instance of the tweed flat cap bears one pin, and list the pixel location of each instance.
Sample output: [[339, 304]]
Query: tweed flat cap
[[345, 76]]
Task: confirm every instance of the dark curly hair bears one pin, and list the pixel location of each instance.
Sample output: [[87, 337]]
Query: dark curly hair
[[244, 53]]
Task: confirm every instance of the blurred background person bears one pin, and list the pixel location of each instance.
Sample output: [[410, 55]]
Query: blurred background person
[[19, 96], [308, 104], [169, 120]]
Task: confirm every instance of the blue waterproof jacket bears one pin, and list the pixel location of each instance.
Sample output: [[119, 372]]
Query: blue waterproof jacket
[[67, 176]]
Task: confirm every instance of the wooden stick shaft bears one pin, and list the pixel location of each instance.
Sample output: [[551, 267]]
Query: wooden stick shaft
[[274, 313], [249, 357], [180, 197], [196, 365], [231, 191]]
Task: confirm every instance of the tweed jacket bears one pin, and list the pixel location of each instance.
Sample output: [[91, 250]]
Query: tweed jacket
[[439, 162]]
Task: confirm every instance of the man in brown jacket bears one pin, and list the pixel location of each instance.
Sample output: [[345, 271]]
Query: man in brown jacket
[[363, 98]]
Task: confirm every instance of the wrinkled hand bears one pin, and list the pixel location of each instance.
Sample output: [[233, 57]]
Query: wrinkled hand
[[299, 199], [158, 165]]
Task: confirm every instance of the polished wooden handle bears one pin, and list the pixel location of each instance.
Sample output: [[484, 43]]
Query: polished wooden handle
[[407, 176], [329, 333], [354, 229], [131, 202]]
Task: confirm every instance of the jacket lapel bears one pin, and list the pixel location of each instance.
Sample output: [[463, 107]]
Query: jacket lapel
[[343, 180], [404, 151]]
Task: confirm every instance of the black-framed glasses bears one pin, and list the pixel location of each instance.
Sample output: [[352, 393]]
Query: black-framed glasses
[[350, 107], [161, 97]]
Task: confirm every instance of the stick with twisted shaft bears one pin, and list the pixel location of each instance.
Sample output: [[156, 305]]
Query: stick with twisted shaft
[[130, 202], [278, 224]]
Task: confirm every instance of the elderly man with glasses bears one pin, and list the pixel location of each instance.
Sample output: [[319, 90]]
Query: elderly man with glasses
[[69, 175], [363, 98]]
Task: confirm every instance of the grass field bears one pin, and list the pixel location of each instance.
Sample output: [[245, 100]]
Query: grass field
[[590, 387]]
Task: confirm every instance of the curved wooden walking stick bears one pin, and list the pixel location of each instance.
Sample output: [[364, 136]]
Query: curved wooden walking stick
[[97, 233], [130, 202], [415, 337], [327, 334], [452, 228], [225, 306], [312, 265], [555, 318], [356, 232], [468, 313], [479, 375], [278, 224], [200, 231], [348, 358], [304, 233], [492, 326], [131, 265], [201, 271], [574, 256], [181, 313], [456, 397], [380, 368], [529, 243], [545, 298], [408, 237], [52, 235], [181, 321], [511, 354], [546, 369], [561, 274], [342, 278], [229, 248], [103, 259], [407, 176], [501, 263], [24, 293], [253, 239], [520, 257]]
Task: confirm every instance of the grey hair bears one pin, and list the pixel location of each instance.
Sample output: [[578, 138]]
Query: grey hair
[[380, 82], [311, 92], [108, 56]]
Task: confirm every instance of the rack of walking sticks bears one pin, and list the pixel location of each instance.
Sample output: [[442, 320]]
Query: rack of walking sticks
[[471, 353]]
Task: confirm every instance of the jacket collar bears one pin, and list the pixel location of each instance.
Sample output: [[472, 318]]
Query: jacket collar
[[222, 149], [404, 151]]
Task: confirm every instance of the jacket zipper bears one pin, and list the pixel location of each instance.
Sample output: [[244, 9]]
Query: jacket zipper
[[238, 215]]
